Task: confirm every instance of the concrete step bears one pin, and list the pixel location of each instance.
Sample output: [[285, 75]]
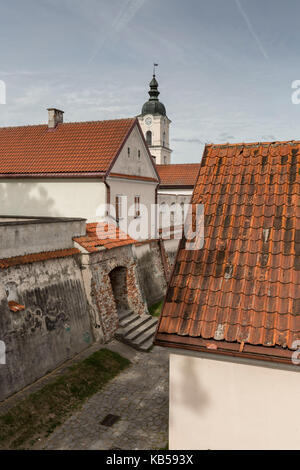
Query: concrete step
[[124, 314], [150, 321], [137, 324], [145, 336], [147, 345], [137, 330], [129, 319]]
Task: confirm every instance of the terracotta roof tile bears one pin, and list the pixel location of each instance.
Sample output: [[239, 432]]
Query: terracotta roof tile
[[36, 257], [103, 235], [243, 286], [80, 147], [184, 174]]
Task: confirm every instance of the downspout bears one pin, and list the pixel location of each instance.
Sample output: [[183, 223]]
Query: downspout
[[107, 195]]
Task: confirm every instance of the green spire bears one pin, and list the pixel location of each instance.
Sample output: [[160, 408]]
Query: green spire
[[153, 92], [153, 105]]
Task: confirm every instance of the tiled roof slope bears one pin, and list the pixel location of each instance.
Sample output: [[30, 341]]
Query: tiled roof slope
[[241, 291], [80, 147], [184, 174], [103, 235], [36, 257]]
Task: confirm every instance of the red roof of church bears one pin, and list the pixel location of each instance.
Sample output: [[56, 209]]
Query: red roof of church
[[70, 148], [182, 174], [240, 293]]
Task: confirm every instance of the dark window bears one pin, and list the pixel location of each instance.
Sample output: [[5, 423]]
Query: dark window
[[137, 206], [149, 137], [128, 151]]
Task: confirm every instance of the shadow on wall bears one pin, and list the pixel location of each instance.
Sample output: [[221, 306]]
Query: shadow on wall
[[24, 198], [192, 393]]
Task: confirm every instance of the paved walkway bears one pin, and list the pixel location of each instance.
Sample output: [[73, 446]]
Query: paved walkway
[[139, 396]]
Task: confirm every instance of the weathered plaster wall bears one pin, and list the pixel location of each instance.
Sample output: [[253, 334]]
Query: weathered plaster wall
[[151, 272], [96, 269], [171, 247], [18, 238], [54, 326]]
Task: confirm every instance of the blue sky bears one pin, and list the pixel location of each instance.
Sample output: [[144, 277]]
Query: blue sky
[[225, 67]]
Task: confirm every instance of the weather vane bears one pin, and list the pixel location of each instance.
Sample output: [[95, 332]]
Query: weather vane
[[154, 65]]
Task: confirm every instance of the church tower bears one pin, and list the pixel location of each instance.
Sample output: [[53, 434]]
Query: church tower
[[155, 125]]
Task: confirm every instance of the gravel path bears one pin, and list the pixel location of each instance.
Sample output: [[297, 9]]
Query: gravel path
[[138, 395]]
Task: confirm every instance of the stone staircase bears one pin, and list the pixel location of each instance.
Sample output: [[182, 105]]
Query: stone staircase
[[136, 330]]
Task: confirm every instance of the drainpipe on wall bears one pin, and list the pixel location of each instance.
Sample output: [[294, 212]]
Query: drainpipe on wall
[[107, 194]]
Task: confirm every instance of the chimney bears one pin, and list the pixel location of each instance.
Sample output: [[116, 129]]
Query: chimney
[[55, 116]]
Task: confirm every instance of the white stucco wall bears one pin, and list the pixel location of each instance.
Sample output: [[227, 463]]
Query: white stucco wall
[[132, 188], [215, 404], [133, 164], [57, 197]]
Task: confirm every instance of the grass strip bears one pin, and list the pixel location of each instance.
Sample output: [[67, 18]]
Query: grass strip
[[42, 411]]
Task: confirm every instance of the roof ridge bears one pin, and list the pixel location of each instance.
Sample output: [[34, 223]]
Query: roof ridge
[[68, 122], [228, 144]]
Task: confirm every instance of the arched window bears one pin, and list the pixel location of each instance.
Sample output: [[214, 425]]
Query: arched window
[[164, 139], [149, 137]]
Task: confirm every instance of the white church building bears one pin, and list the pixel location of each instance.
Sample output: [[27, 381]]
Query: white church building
[[73, 169]]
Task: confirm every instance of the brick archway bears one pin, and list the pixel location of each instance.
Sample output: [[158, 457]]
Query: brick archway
[[118, 280]]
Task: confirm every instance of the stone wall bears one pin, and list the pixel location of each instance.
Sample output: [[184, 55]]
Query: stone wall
[[54, 326], [71, 302], [151, 271], [96, 269]]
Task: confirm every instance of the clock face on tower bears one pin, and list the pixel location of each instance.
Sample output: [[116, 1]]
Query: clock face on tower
[[148, 121]]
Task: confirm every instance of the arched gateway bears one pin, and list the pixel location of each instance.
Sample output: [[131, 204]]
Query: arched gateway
[[118, 280]]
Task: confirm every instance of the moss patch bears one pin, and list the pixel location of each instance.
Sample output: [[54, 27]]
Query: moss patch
[[155, 310], [41, 412]]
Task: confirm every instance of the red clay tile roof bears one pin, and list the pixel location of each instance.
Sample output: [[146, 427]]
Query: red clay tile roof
[[36, 257], [240, 293], [184, 174], [80, 147], [103, 235]]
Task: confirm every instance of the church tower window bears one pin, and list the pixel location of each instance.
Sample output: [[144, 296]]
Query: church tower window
[[149, 137]]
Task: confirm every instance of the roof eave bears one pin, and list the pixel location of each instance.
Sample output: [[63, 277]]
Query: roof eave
[[99, 175], [210, 346], [176, 186]]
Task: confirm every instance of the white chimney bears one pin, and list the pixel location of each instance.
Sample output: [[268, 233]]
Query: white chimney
[[55, 116]]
